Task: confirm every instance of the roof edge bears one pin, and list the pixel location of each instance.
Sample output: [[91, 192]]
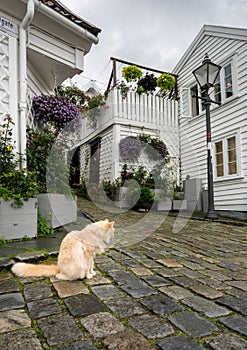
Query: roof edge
[[211, 30], [60, 8]]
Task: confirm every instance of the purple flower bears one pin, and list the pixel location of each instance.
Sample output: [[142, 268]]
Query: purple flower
[[57, 111]]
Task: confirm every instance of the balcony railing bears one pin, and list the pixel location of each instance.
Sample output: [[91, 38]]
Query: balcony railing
[[141, 110]]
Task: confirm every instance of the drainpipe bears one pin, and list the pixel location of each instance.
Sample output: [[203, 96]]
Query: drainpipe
[[23, 79]]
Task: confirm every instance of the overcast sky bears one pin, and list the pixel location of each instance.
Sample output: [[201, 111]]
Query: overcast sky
[[153, 33]]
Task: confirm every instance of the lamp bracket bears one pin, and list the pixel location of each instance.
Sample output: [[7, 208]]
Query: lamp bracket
[[206, 99]]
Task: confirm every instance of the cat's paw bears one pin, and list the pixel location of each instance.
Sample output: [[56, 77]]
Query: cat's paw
[[93, 273], [61, 276], [89, 276]]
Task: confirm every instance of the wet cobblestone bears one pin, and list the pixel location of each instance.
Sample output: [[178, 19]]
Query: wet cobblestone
[[169, 291]]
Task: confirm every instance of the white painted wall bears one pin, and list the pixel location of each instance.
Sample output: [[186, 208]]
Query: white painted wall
[[222, 44]]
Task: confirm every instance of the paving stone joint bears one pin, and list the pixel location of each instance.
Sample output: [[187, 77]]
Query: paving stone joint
[[168, 291]]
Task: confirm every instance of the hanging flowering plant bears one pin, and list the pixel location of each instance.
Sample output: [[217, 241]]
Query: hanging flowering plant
[[130, 148], [157, 147], [131, 73], [56, 111], [166, 82], [147, 83]]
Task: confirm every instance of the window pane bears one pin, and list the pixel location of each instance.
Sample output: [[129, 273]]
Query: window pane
[[194, 100], [219, 159], [231, 143], [232, 155], [217, 90], [232, 168], [220, 170], [228, 80], [219, 147]]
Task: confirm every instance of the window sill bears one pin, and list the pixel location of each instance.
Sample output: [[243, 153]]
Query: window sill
[[229, 178], [214, 107]]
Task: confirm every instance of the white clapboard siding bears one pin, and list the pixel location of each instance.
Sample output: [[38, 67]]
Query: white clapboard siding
[[221, 44]]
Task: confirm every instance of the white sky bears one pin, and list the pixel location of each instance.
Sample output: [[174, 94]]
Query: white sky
[[153, 33]]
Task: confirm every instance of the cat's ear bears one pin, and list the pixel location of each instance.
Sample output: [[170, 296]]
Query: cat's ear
[[110, 224]]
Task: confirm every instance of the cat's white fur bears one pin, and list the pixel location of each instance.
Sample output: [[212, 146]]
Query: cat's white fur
[[76, 254]]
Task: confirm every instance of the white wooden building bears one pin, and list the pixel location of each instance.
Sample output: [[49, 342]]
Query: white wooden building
[[121, 117], [226, 47], [42, 43]]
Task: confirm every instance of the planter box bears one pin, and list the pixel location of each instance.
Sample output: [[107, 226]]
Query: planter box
[[120, 199], [164, 205], [179, 204], [16, 223], [57, 209]]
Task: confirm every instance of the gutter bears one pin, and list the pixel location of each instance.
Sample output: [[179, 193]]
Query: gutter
[[23, 80], [49, 12]]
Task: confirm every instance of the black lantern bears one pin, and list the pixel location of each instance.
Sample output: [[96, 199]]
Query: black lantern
[[206, 76], [207, 73]]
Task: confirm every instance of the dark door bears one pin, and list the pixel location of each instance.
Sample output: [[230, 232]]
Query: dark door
[[95, 161]]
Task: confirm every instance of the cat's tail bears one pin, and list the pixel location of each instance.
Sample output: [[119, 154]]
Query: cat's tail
[[31, 270]]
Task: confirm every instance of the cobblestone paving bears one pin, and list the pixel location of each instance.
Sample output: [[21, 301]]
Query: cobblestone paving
[[170, 291]]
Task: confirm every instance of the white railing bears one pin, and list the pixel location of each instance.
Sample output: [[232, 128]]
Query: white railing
[[141, 110]]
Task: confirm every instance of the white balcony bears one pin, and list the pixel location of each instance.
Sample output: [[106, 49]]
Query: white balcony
[[140, 110]]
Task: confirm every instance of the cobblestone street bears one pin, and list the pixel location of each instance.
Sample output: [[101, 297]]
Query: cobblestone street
[[170, 291]]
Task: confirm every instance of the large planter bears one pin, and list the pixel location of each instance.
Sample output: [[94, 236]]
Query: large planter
[[179, 204], [16, 223], [120, 199], [57, 209], [164, 204]]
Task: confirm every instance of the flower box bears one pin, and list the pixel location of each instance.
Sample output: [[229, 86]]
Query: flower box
[[120, 199], [16, 223], [179, 204], [164, 205], [57, 209]]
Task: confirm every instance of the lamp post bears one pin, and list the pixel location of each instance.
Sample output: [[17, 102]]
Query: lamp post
[[206, 76]]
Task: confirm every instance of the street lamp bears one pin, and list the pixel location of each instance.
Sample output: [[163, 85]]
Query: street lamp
[[206, 76]]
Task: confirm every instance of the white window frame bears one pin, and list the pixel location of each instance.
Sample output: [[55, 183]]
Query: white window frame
[[224, 64], [186, 95], [224, 140]]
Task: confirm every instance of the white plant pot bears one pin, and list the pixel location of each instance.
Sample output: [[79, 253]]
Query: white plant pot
[[179, 204], [57, 209], [16, 223], [164, 205]]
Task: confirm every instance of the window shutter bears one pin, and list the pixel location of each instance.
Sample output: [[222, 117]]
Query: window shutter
[[185, 102]]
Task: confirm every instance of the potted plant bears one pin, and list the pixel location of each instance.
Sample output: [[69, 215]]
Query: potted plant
[[130, 148], [178, 202], [162, 200], [165, 82], [55, 203], [124, 88], [131, 73], [18, 188], [141, 197], [157, 148], [54, 113], [147, 83]]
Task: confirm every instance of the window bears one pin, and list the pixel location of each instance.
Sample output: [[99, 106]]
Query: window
[[226, 157], [232, 155], [217, 90], [194, 101], [224, 87], [228, 80], [219, 158]]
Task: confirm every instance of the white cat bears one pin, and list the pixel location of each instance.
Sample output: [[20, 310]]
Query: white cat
[[76, 254]]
